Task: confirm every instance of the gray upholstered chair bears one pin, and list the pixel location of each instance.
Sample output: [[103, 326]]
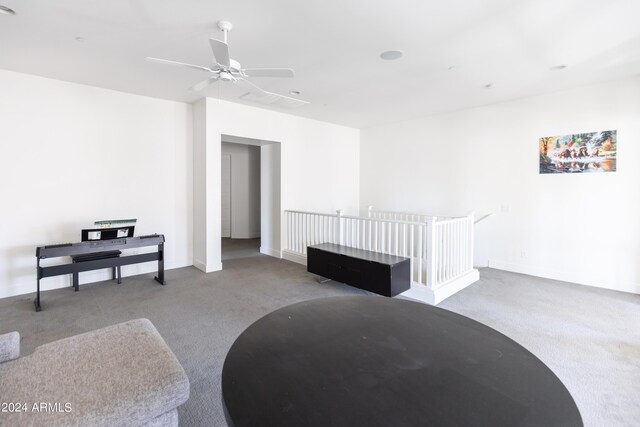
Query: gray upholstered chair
[[121, 375]]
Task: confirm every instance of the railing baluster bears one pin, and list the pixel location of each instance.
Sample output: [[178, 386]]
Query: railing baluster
[[439, 251], [304, 233], [396, 237], [297, 247], [297, 226], [420, 254], [411, 252], [288, 219]]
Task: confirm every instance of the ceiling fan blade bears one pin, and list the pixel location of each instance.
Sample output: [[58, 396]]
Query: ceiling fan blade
[[285, 101], [203, 84], [220, 51], [263, 97], [250, 87], [268, 72], [167, 61]]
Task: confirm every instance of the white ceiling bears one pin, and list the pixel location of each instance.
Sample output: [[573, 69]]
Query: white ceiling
[[334, 47]]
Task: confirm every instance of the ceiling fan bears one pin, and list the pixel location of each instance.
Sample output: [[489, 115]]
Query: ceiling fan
[[228, 70]]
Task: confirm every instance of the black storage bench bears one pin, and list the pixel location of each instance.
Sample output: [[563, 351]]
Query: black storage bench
[[93, 257], [383, 274]]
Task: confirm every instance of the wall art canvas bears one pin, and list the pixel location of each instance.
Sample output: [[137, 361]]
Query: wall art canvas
[[579, 153]]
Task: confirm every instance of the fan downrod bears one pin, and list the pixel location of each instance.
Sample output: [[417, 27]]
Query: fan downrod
[[225, 27]]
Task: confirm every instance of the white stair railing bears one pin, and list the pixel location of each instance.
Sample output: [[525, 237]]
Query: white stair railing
[[310, 228], [449, 244], [440, 249]]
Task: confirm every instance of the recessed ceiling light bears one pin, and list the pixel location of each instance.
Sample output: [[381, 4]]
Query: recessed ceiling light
[[294, 92], [451, 67], [81, 39], [558, 67], [5, 10], [488, 86], [390, 55]]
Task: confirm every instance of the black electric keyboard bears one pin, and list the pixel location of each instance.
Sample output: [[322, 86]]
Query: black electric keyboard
[[95, 263], [69, 249]]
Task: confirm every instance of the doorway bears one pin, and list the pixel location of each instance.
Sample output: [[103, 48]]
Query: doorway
[[240, 199]]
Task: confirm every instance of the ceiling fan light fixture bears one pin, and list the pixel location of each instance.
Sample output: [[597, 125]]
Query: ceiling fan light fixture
[[226, 76], [6, 11], [391, 55]]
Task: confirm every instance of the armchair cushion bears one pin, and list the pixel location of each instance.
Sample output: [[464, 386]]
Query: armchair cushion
[[9, 346]]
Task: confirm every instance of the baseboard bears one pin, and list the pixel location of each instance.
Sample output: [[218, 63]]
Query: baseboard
[[59, 282], [53, 283], [270, 252], [294, 257], [434, 297], [207, 268], [564, 276], [200, 265], [530, 270], [213, 267], [454, 286], [419, 293]]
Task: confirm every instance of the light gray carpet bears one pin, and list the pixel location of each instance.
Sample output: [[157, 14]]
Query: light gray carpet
[[589, 337], [239, 248]]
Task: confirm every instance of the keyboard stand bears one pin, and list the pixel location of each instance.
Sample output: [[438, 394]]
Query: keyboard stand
[[86, 252], [117, 273]]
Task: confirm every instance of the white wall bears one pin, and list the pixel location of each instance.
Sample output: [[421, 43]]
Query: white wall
[[245, 189], [71, 154], [583, 228], [270, 198], [319, 166], [200, 179]]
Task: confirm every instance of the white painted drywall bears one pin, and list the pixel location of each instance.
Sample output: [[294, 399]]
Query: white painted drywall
[[245, 190], [71, 154], [270, 199], [319, 167], [583, 228], [226, 195], [200, 180]]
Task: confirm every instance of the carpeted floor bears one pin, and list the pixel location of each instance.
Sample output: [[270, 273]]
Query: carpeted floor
[[589, 337]]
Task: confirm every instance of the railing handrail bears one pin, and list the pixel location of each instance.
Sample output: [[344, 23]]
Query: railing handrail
[[454, 220], [395, 221], [430, 216], [311, 213], [489, 215], [402, 213], [365, 218]]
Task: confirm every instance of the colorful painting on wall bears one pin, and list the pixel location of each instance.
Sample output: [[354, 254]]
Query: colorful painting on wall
[[579, 153]]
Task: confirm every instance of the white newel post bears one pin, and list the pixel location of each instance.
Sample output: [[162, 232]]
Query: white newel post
[[431, 253], [472, 227], [369, 209], [340, 231]]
